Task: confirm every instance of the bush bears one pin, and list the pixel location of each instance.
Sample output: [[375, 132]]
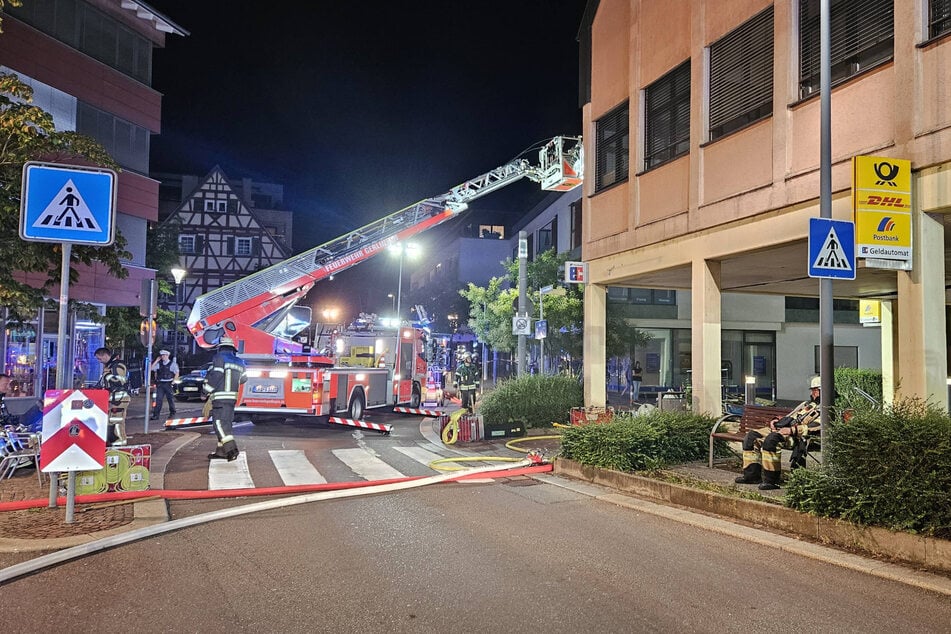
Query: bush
[[636, 443], [888, 467], [532, 400], [846, 379]]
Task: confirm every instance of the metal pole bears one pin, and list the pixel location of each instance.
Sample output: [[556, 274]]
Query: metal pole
[[62, 382], [485, 343], [541, 342], [522, 310], [826, 335], [399, 289]]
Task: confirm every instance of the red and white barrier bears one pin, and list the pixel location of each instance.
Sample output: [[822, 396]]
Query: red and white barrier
[[420, 412], [336, 420], [176, 423]]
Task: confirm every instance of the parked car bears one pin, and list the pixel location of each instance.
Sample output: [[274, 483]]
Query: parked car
[[191, 386]]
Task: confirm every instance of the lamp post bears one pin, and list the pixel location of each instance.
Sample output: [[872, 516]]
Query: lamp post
[[393, 301], [179, 275], [401, 249]]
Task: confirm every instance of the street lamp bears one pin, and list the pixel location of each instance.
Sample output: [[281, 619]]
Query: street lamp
[[179, 275], [393, 303], [401, 249]]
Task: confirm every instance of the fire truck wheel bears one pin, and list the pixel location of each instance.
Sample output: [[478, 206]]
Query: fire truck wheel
[[416, 399], [357, 405]]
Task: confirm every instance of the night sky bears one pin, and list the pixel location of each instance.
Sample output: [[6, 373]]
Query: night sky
[[360, 109]]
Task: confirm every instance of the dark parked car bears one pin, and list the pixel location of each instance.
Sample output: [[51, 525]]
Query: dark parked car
[[190, 386]]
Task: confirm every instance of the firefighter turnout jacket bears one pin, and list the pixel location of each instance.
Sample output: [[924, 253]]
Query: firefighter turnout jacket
[[227, 373]]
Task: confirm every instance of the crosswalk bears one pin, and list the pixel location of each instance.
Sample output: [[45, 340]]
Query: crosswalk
[[295, 467]]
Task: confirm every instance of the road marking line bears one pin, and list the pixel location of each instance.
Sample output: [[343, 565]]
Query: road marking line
[[419, 454], [365, 465], [294, 467], [230, 475]]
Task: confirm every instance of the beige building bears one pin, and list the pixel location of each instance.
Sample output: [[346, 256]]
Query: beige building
[[702, 134]]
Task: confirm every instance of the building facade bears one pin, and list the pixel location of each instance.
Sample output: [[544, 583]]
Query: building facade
[[702, 133], [89, 63]]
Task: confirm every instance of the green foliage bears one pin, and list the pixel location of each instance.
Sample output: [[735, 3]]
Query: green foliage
[[888, 467], [533, 400], [27, 134], [637, 443], [846, 382]]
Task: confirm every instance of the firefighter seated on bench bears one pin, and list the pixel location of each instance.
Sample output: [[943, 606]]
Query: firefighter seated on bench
[[762, 447]]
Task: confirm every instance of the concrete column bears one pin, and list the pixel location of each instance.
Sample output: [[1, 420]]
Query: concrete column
[[889, 351], [922, 355], [705, 344], [595, 359]]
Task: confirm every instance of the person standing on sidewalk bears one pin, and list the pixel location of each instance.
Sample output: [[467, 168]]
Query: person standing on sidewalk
[[166, 373], [637, 375], [226, 375], [115, 378]]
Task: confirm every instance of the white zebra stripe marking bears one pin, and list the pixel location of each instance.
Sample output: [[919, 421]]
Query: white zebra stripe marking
[[229, 475], [419, 454], [294, 467], [366, 465]]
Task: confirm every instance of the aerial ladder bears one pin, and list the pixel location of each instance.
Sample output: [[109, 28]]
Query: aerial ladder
[[259, 311]]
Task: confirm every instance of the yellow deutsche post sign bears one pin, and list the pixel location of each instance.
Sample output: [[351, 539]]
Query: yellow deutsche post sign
[[870, 311], [881, 204]]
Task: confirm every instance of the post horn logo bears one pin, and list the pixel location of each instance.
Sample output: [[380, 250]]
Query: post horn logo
[[886, 173]]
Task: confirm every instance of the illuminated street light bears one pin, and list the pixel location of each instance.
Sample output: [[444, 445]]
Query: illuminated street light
[[393, 298], [179, 275], [400, 249]]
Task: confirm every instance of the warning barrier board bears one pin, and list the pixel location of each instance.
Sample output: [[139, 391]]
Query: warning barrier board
[[75, 423]]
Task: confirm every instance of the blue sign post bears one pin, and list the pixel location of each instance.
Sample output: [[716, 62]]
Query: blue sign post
[[67, 203], [831, 248]]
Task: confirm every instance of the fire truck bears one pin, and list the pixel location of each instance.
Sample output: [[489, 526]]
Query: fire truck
[[367, 366]]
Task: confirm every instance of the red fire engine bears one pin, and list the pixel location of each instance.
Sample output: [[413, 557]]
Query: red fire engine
[[365, 369]]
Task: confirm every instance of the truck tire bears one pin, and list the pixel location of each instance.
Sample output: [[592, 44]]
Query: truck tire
[[357, 406], [416, 398]]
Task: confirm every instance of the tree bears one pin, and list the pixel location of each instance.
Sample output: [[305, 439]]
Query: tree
[[27, 134]]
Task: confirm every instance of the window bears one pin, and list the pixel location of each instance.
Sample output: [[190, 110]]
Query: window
[[842, 357], [91, 31], [492, 232], [575, 211], [220, 206], [861, 34], [667, 117], [242, 246], [939, 17], [547, 236], [126, 142], [741, 76], [186, 244], [611, 148]]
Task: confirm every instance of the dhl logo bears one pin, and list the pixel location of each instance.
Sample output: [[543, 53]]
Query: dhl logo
[[885, 201]]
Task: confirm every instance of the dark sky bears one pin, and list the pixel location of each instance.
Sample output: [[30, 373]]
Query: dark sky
[[360, 109]]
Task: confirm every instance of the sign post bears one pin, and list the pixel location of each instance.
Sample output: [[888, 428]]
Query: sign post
[[66, 205]]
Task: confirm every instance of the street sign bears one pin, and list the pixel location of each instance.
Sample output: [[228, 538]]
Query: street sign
[[67, 203], [881, 207], [541, 329], [831, 248], [75, 423], [576, 272], [521, 325]]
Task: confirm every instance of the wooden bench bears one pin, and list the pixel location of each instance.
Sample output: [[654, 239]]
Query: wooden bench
[[753, 417]]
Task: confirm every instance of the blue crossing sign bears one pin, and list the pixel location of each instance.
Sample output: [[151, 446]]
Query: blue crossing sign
[[68, 203], [831, 248]]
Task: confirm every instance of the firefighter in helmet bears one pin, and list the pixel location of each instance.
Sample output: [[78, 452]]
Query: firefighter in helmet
[[226, 374], [467, 380], [115, 378], [762, 448]]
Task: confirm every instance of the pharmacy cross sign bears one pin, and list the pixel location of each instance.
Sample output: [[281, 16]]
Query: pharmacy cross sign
[[68, 203]]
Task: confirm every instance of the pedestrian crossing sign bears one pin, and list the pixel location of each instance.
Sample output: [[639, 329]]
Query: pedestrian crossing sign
[[67, 203], [831, 248]]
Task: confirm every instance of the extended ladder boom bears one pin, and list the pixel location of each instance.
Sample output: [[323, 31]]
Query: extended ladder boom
[[256, 311]]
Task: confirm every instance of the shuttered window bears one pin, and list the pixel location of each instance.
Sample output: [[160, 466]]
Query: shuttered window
[[611, 148], [741, 76], [667, 117], [861, 34], [939, 17]]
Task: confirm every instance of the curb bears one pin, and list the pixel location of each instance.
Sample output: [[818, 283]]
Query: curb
[[145, 512], [934, 554]]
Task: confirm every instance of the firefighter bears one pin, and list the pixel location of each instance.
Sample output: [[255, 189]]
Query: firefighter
[[762, 447], [467, 380], [115, 378], [227, 373], [166, 373]]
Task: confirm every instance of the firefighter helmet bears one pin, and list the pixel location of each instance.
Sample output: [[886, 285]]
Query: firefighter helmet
[[815, 383], [226, 342]]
